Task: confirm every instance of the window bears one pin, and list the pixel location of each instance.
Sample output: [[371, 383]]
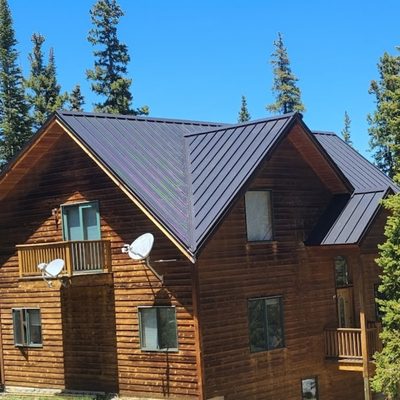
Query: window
[[341, 272], [158, 328], [258, 215], [27, 327], [81, 221], [265, 323], [309, 389]]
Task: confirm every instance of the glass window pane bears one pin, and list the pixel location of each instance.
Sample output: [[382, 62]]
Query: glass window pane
[[148, 327], [72, 230], [91, 228], [35, 328], [17, 325], [274, 323], [257, 332], [309, 389], [341, 271], [167, 328], [258, 215]]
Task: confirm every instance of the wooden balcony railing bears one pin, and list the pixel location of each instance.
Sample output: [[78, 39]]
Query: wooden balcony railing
[[345, 343], [88, 256]]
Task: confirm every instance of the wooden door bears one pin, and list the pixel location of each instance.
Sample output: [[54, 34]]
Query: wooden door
[[345, 307]]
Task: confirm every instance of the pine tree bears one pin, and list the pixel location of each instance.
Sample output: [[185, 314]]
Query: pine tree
[[384, 123], [76, 99], [44, 95], [15, 123], [387, 375], [244, 114], [110, 67], [285, 88], [346, 129]]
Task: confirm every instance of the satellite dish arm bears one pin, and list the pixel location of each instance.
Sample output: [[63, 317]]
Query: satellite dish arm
[[159, 277]]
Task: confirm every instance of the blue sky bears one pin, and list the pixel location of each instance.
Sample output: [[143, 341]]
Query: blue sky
[[194, 59]]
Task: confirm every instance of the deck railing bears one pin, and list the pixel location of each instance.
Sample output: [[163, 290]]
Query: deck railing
[[345, 343], [88, 256]]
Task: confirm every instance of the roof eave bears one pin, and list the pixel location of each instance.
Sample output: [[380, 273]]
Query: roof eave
[[182, 247]]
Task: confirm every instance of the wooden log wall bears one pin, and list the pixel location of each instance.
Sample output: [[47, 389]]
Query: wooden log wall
[[231, 271], [107, 347]]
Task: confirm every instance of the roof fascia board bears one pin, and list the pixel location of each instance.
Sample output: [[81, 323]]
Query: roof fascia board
[[28, 147], [329, 160], [125, 190]]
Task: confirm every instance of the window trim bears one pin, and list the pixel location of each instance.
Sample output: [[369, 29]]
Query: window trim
[[81, 205], [164, 350], [315, 378], [270, 217], [24, 312], [282, 323]]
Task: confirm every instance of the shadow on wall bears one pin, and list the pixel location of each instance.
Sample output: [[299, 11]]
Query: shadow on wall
[[89, 335]]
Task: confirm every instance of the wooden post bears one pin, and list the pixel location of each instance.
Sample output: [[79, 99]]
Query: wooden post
[[68, 258], [20, 262], [364, 336]]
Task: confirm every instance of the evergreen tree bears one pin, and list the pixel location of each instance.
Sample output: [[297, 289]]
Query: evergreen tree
[[384, 123], [346, 130], [244, 114], [110, 67], [387, 375], [76, 99], [44, 95], [287, 93], [15, 123]]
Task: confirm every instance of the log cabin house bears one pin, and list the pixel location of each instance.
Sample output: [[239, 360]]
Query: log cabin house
[[263, 277]]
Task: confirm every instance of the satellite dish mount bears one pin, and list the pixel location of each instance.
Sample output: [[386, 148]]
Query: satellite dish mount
[[139, 250]]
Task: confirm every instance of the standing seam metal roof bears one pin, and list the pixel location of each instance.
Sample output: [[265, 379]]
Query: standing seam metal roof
[[187, 173]]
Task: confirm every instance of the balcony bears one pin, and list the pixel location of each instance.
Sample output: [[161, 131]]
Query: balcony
[[81, 257], [344, 344]]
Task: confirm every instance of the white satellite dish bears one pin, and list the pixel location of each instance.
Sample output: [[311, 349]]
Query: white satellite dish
[[140, 248], [52, 269]]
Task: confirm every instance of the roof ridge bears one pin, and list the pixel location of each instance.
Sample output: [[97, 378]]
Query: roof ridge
[[242, 124], [62, 113], [326, 133]]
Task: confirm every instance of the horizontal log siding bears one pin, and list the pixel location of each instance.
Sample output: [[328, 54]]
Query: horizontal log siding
[[231, 271], [113, 355]]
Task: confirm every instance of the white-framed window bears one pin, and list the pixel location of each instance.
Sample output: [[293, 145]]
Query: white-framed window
[[27, 327], [258, 215], [158, 328]]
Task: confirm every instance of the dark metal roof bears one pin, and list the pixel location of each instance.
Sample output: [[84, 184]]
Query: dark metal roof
[[221, 161], [359, 171], [370, 187], [148, 155], [187, 173]]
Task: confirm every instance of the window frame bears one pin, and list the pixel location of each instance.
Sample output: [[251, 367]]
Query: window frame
[[141, 325], [270, 214], [25, 326], [315, 378], [348, 275], [265, 323], [80, 205]]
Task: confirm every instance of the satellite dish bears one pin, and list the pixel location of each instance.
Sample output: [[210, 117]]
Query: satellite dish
[[140, 248], [52, 269]]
